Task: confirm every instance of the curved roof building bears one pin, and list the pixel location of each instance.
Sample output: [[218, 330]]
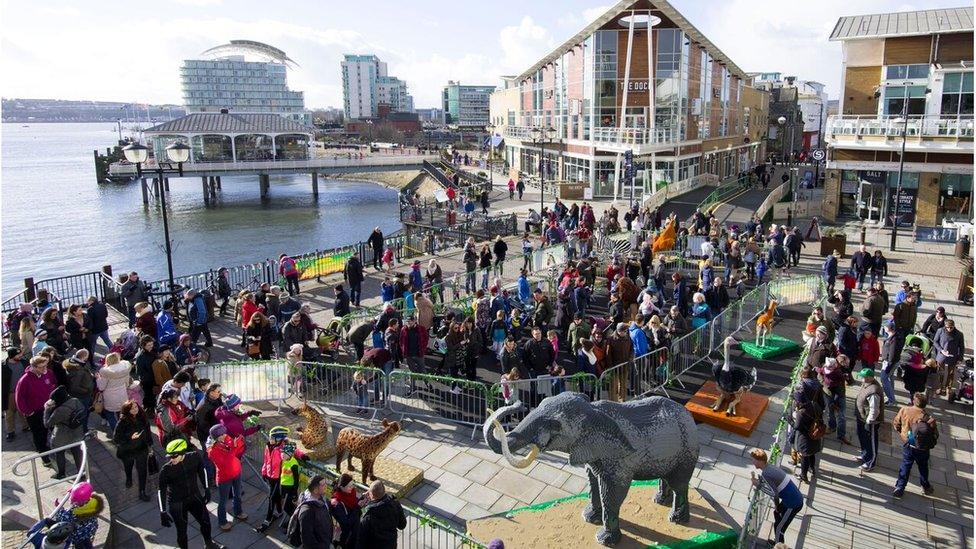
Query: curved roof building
[[225, 78]]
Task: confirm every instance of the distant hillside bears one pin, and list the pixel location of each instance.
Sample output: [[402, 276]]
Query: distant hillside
[[55, 110]]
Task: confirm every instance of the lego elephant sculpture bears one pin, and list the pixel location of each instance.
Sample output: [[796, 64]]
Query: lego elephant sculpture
[[650, 438]]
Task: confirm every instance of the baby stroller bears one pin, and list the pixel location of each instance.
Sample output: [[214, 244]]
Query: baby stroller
[[964, 382], [329, 339]]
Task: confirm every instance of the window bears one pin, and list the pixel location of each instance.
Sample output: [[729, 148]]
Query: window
[[957, 94], [895, 97], [910, 72]]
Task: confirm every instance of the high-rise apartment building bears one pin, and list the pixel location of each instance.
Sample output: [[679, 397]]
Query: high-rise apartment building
[[466, 106], [225, 79], [907, 81], [642, 79], [366, 85]]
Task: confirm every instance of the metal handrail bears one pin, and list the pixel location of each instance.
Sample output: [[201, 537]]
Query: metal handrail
[[83, 471], [394, 160]]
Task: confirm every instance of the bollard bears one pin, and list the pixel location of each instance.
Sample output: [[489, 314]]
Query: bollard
[[864, 231], [30, 295]]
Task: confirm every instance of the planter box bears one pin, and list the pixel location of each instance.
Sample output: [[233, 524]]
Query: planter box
[[830, 243]]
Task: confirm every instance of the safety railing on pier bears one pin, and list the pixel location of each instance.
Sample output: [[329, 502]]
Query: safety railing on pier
[[124, 168]]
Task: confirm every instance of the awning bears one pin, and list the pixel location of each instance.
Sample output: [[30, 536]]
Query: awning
[[495, 141]]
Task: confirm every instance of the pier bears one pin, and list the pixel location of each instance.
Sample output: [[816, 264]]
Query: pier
[[210, 173], [248, 144]]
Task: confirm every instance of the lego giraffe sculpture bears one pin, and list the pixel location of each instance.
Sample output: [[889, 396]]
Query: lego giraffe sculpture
[[764, 324]]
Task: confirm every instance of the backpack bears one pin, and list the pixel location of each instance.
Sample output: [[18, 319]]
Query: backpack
[[295, 526], [76, 419], [922, 435]]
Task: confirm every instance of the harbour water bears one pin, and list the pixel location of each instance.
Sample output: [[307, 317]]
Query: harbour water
[[57, 220]]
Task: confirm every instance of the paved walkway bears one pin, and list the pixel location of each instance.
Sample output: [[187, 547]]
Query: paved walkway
[[465, 480]]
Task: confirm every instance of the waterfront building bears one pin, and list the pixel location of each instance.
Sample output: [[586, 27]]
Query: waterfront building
[[225, 79], [803, 104], [466, 106], [366, 85], [233, 137], [431, 116], [682, 107], [917, 62]]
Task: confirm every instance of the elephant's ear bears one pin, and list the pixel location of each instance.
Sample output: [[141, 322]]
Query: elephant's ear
[[600, 437]]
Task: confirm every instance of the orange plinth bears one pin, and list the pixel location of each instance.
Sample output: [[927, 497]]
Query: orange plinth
[[748, 411]]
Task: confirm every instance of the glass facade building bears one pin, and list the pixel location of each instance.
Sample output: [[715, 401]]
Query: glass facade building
[[466, 105], [661, 91], [238, 85]]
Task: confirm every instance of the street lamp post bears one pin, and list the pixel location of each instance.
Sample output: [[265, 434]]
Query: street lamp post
[[177, 153], [539, 138], [490, 128], [788, 162], [901, 170], [903, 119]]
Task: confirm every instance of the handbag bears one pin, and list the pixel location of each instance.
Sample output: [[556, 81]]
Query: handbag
[[253, 349], [152, 464], [98, 405]]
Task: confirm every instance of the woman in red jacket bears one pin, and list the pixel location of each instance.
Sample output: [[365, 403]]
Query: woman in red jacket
[[225, 452], [870, 349], [248, 308], [173, 419], [346, 509]]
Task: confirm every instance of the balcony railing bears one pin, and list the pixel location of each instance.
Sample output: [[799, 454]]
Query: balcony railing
[[928, 126], [631, 136], [607, 135]]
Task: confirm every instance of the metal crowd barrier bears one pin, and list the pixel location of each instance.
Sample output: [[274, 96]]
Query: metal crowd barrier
[[761, 504], [336, 384], [250, 380], [530, 392], [638, 378], [428, 395]]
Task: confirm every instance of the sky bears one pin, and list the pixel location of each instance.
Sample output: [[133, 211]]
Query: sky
[[131, 51]]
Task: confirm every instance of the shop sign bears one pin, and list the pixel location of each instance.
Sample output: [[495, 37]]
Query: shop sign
[[944, 235], [905, 208], [638, 86], [874, 177]]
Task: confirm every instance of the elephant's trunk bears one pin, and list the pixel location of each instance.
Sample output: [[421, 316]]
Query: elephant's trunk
[[497, 439]]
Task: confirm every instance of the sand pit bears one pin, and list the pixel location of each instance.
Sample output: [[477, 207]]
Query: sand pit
[[643, 523]]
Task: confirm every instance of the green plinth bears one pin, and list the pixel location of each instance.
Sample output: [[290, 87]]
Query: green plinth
[[775, 346]]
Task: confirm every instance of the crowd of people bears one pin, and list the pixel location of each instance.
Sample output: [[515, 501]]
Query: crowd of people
[[865, 348], [145, 392]]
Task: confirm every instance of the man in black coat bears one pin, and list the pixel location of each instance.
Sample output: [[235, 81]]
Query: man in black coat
[[376, 242], [315, 517], [861, 263], [98, 316], [537, 353], [381, 519], [353, 275], [341, 302]]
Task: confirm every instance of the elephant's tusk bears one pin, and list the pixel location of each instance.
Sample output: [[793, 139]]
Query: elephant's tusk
[[517, 463]]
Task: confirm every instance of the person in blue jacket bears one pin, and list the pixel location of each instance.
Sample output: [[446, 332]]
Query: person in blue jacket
[[637, 336], [524, 289], [196, 312], [416, 277], [774, 481], [166, 333], [829, 270]]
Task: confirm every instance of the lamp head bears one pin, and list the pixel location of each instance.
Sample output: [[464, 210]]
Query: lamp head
[[178, 152], [781, 120], [135, 153]]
